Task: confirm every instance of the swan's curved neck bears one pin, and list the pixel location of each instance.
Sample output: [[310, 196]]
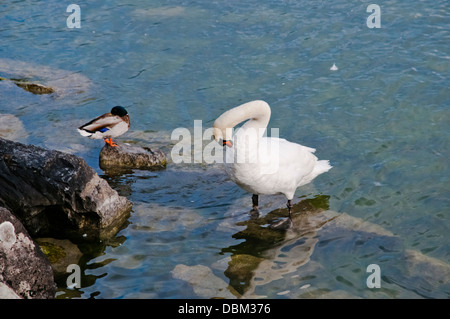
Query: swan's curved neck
[[257, 112]]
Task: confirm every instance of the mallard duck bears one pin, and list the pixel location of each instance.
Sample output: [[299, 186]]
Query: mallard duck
[[107, 126], [264, 165]]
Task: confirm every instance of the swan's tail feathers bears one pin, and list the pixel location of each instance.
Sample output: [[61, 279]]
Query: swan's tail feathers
[[321, 167], [310, 149]]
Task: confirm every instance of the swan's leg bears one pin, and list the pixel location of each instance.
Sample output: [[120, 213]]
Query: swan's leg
[[255, 201], [289, 206], [254, 213]]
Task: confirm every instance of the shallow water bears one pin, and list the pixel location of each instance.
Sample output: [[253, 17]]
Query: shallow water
[[381, 119]]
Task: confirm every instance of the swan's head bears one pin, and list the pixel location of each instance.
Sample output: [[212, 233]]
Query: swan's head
[[222, 135]]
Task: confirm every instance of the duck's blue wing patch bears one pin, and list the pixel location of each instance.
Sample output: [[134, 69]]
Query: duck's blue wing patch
[[104, 129]]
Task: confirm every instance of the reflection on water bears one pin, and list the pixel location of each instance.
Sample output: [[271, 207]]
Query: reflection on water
[[266, 254]]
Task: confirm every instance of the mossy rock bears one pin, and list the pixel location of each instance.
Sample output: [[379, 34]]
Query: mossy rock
[[53, 252], [60, 253], [241, 266], [30, 87]]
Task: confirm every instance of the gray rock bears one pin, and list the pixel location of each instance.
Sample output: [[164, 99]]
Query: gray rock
[[57, 82], [56, 194], [431, 269], [204, 282], [6, 292], [24, 270], [131, 157], [433, 275], [12, 128]]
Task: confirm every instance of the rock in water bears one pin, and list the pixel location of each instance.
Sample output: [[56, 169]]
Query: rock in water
[[57, 194], [60, 253], [131, 157], [12, 128], [204, 282], [30, 87], [24, 270]]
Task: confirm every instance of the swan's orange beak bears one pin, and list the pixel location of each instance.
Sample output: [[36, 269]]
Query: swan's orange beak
[[227, 143]]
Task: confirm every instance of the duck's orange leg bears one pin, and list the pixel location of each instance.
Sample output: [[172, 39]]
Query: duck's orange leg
[[110, 142]]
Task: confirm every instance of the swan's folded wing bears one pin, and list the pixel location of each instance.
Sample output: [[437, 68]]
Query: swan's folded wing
[[277, 155]]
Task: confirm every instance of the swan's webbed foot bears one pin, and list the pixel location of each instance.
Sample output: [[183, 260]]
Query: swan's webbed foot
[[285, 223]]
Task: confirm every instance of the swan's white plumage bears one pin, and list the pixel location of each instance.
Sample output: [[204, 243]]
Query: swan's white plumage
[[264, 165]]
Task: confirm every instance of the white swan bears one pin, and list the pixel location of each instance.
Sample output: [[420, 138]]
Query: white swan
[[264, 165]]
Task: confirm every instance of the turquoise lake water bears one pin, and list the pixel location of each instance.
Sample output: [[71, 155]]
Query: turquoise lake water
[[382, 119]]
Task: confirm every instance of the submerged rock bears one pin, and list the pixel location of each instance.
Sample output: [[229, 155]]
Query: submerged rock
[[432, 274], [204, 282], [12, 128], [305, 260], [60, 252], [34, 88], [433, 270], [131, 157], [270, 258], [240, 270], [30, 77], [24, 270], [56, 194]]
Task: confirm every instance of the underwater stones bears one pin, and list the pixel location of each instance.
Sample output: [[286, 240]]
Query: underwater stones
[[12, 128], [55, 193], [161, 12], [240, 270], [204, 282], [31, 87], [432, 269], [35, 88], [24, 270], [58, 82], [285, 258], [433, 274], [60, 252], [127, 156], [346, 221]]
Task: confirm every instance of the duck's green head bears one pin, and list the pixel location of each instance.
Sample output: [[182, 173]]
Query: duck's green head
[[119, 111]]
